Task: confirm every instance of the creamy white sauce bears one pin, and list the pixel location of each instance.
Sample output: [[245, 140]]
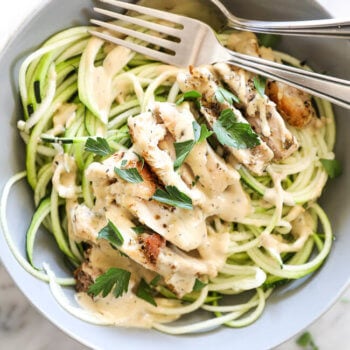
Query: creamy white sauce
[[96, 84], [129, 310], [64, 176], [302, 228], [63, 118]]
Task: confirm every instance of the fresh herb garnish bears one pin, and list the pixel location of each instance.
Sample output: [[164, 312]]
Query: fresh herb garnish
[[130, 175], [332, 166], [222, 95], [139, 229], [172, 196], [260, 84], [268, 40], [198, 285], [192, 95], [306, 341], [182, 149], [144, 291], [99, 146], [155, 280], [201, 132], [114, 278], [141, 159], [111, 233], [232, 133]]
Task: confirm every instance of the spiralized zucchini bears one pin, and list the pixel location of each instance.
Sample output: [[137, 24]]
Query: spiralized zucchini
[[65, 71]]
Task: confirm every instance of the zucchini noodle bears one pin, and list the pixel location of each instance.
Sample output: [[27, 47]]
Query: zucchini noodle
[[76, 87]]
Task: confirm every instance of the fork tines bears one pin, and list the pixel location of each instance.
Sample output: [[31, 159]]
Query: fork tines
[[125, 28]]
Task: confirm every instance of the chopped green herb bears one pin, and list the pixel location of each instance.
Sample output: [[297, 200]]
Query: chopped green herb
[[260, 84], [198, 285], [192, 95], [201, 132], [144, 291], [123, 163], [268, 40], [172, 196], [182, 149], [155, 280], [130, 175], [139, 229], [114, 278], [222, 95], [306, 341], [141, 159], [332, 166], [98, 146], [232, 133], [111, 233]]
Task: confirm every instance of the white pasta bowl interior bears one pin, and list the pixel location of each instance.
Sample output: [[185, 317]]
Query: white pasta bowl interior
[[288, 310]]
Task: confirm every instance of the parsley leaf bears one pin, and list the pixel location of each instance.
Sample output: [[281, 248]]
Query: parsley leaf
[[141, 159], [144, 291], [139, 229], [130, 175], [222, 95], [155, 280], [98, 146], [268, 40], [198, 285], [192, 95], [111, 233], [182, 149], [172, 196], [260, 83], [306, 341], [232, 133], [332, 166], [201, 132], [114, 278]]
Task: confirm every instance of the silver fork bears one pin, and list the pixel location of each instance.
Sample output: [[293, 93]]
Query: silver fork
[[333, 27], [197, 45]]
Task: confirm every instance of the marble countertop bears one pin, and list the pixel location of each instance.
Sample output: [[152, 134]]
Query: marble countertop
[[22, 327]]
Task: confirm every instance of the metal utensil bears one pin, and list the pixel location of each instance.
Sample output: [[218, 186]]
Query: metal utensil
[[334, 27], [197, 45]]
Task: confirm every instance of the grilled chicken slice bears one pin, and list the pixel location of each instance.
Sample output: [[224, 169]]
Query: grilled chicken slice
[[150, 141], [294, 105], [148, 249], [206, 165], [172, 223], [202, 79], [260, 111]]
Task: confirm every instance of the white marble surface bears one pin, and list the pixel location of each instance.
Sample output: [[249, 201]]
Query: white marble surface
[[22, 327]]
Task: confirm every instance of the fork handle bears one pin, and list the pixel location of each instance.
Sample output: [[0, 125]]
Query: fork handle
[[334, 27], [330, 88]]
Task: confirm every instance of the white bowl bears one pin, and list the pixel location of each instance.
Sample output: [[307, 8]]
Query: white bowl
[[291, 308]]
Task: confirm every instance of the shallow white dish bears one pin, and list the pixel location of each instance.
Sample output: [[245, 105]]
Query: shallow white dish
[[291, 308]]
